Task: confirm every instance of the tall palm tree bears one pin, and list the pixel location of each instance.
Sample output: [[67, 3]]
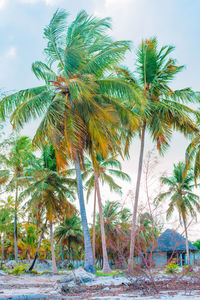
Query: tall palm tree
[[15, 161], [163, 110], [49, 190], [102, 170], [81, 108], [181, 195], [69, 232]]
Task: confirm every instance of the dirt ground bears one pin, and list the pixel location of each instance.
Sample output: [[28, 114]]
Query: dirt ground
[[45, 287]]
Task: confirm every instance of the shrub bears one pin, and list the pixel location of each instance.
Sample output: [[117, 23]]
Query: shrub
[[188, 270], [172, 268], [70, 266], [19, 269]]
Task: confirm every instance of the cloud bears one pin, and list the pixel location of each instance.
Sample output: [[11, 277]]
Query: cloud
[[11, 52], [3, 4], [47, 2]]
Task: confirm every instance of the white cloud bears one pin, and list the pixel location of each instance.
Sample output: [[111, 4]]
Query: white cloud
[[47, 2], [2, 4], [11, 52]]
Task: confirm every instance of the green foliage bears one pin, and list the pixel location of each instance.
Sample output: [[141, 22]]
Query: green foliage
[[188, 270], [171, 268], [197, 244], [116, 272], [19, 269], [70, 266]]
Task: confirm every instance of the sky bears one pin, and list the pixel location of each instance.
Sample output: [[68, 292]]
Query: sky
[[173, 22]]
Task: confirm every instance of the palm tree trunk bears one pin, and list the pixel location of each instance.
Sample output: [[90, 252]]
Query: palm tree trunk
[[106, 267], [186, 237], [89, 263], [93, 229], [62, 252], [38, 248], [133, 229], [15, 224], [3, 239], [55, 270]]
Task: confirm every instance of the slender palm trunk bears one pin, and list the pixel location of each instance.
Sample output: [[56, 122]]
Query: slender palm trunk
[[62, 252], [29, 257], [133, 229], [106, 267], [38, 248], [3, 239], [89, 263], [55, 270], [186, 237], [15, 224], [93, 229]]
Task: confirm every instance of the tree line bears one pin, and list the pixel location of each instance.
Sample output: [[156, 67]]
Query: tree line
[[91, 108]]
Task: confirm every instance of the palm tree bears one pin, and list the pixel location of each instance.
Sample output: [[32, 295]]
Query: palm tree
[[102, 170], [15, 161], [6, 218], [163, 109], [69, 232], [117, 228], [79, 105], [182, 198], [192, 157], [49, 190]]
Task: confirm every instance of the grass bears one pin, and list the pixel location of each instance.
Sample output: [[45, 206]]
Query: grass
[[115, 272]]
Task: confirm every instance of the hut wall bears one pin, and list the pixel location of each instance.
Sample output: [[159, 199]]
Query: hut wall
[[159, 258]]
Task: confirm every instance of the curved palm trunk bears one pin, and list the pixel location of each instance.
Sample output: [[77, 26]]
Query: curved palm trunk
[[186, 237], [93, 229], [89, 263], [106, 267], [133, 228], [38, 248], [15, 224], [55, 270]]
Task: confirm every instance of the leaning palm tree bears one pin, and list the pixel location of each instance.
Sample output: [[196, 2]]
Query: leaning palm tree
[[102, 170], [81, 108], [14, 162], [181, 197], [163, 110], [49, 190]]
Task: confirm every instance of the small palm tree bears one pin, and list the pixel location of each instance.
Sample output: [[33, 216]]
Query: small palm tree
[[117, 229], [181, 197], [102, 170], [69, 232], [49, 191], [15, 161], [6, 218]]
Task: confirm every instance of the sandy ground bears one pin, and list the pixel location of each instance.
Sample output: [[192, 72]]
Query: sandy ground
[[45, 286]]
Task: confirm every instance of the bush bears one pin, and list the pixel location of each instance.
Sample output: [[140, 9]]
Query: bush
[[172, 268], [188, 270], [70, 266], [19, 269], [97, 268]]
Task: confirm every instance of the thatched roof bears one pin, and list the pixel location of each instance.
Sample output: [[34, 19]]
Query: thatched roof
[[170, 240]]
